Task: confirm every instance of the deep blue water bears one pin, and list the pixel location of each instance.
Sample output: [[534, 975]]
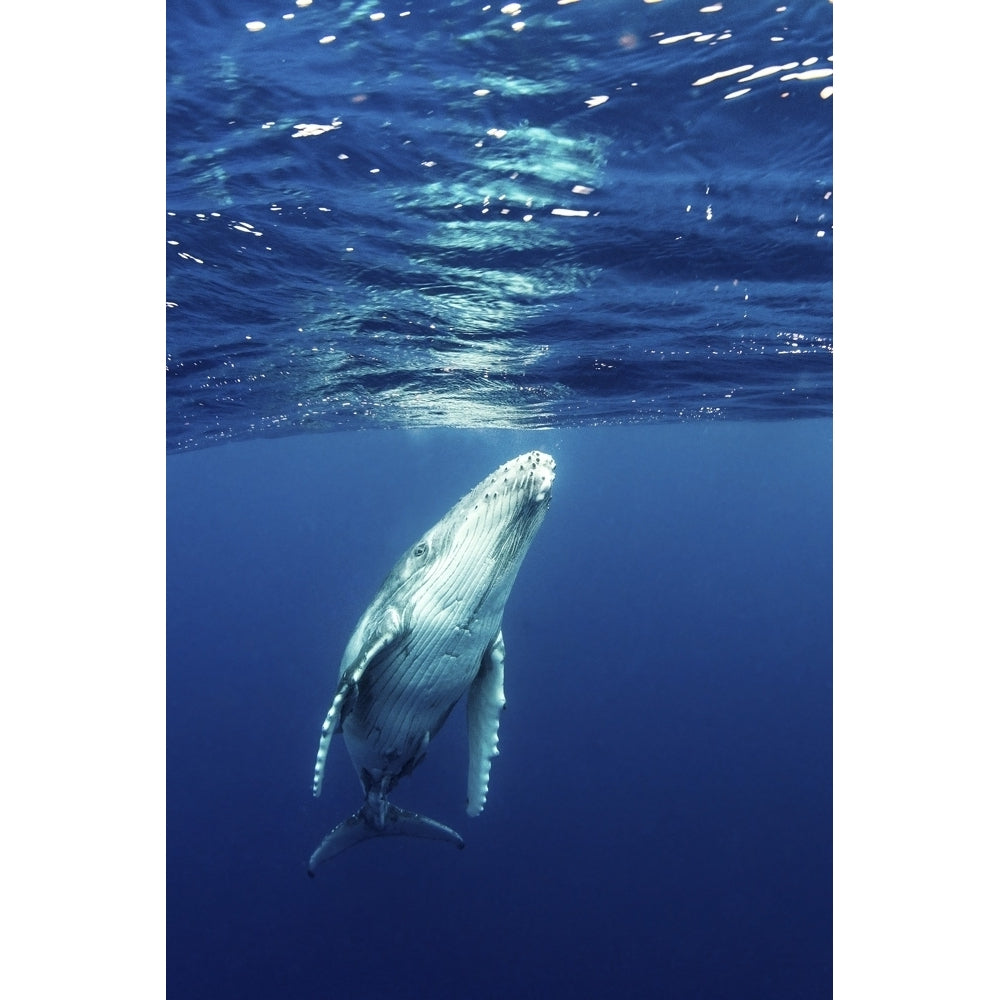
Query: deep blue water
[[659, 820]]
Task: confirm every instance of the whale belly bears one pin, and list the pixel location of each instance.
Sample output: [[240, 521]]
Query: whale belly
[[402, 702]]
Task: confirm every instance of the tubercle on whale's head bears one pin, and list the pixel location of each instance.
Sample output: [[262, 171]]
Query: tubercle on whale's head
[[544, 473], [533, 472], [496, 522], [514, 489]]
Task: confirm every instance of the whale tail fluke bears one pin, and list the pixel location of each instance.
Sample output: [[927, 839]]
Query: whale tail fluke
[[387, 821]]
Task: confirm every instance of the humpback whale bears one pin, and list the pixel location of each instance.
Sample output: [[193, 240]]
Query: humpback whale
[[430, 635]]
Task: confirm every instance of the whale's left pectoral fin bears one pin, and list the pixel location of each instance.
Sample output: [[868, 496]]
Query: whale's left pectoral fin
[[347, 689], [484, 704]]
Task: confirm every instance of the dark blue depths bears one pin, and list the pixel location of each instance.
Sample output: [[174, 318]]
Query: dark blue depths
[[659, 820]]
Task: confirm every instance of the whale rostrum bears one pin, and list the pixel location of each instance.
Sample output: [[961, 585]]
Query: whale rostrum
[[430, 635]]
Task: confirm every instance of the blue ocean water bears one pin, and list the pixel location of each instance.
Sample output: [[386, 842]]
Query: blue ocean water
[[483, 215], [383, 284]]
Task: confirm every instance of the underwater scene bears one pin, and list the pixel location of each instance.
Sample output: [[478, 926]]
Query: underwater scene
[[499, 499]]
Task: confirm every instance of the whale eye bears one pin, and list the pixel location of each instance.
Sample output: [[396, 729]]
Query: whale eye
[[420, 551]]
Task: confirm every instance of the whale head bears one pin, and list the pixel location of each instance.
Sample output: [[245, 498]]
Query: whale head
[[466, 564]]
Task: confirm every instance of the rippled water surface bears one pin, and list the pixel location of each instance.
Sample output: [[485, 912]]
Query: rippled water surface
[[475, 215]]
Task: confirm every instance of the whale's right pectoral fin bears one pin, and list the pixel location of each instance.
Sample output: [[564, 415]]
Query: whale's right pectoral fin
[[484, 704], [396, 822], [347, 690]]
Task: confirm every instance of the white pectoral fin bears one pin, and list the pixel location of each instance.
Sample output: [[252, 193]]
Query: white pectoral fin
[[347, 692], [485, 703]]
